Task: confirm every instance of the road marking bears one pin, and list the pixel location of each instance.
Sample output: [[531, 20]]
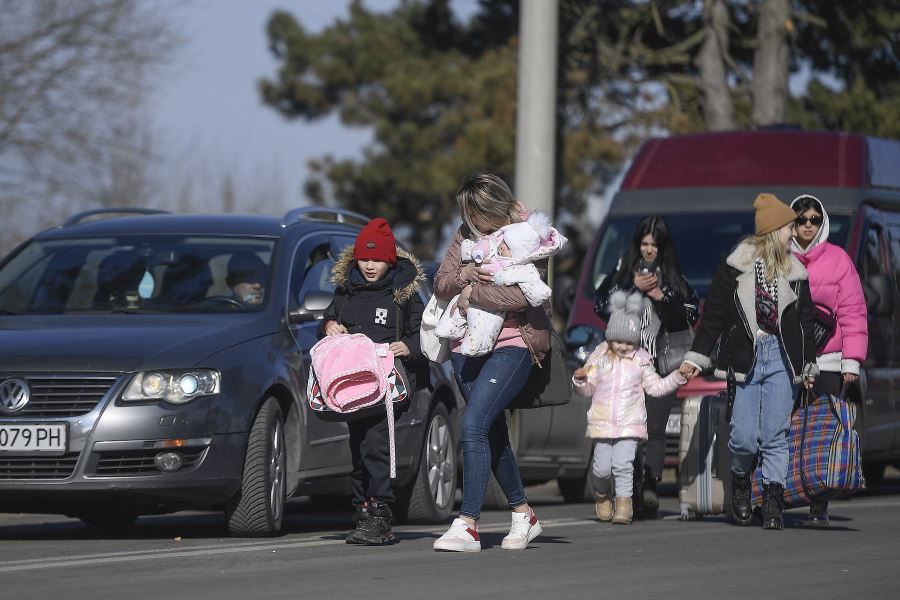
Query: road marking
[[34, 564]]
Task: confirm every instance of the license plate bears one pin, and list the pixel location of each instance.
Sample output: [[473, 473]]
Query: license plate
[[47, 438], [673, 425]]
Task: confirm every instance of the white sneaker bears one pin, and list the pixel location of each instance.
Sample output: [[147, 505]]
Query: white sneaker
[[459, 538], [525, 527]]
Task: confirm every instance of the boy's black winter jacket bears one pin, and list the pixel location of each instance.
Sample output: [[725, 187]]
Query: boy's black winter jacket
[[373, 308], [730, 312]]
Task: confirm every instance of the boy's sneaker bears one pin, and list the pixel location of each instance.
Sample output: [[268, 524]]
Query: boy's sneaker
[[459, 538], [525, 527], [374, 528]]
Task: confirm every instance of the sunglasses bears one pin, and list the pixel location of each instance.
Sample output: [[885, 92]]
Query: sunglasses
[[817, 220]]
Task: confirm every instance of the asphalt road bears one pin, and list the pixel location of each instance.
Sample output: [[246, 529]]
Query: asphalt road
[[188, 556]]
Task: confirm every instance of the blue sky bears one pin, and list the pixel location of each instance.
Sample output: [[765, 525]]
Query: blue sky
[[207, 117]]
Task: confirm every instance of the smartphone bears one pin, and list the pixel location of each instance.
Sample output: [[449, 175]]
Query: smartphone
[[646, 267]]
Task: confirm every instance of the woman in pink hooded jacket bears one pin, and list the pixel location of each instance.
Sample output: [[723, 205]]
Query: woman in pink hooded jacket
[[834, 284]]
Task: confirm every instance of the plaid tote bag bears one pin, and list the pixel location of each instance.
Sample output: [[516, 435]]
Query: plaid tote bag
[[825, 455]]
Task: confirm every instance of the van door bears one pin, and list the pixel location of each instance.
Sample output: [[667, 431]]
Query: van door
[[877, 371], [893, 228]]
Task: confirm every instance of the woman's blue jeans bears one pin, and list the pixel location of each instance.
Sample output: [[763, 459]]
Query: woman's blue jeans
[[762, 413], [489, 383]]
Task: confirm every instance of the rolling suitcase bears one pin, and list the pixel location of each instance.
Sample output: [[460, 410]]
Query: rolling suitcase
[[704, 475]]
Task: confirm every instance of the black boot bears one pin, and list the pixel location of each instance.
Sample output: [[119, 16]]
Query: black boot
[[818, 513], [741, 512], [375, 529], [650, 495], [773, 506]]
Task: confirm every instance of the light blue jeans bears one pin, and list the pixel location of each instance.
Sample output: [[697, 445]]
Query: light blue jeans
[[762, 413], [489, 383], [615, 458]]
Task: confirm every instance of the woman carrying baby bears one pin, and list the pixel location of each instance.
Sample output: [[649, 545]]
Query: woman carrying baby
[[491, 381]]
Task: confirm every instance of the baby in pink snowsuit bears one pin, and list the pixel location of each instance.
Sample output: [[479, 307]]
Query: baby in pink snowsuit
[[509, 254]]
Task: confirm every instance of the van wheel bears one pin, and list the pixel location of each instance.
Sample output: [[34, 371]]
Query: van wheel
[[494, 498], [574, 489], [257, 509], [873, 472], [429, 499]]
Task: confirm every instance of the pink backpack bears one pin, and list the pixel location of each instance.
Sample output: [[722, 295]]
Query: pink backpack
[[349, 373]]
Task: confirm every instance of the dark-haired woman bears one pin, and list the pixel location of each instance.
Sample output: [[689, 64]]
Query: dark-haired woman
[[651, 267], [833, 284]]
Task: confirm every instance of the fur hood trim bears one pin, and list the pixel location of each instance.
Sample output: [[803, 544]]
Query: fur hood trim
[[741, 258], [341, 272]]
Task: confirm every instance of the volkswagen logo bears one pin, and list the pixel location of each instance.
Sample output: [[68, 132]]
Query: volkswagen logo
[[14, 395]]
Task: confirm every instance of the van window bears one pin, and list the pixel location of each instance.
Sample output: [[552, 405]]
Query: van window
[[701, 241]]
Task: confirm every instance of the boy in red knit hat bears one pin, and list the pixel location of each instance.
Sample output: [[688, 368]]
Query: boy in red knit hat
[[377, 295]]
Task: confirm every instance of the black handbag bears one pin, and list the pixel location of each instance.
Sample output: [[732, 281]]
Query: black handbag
[[549, 385], [824, 324], [671, 346]]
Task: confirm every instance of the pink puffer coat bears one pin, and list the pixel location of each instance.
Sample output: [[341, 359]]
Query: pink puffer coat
[[834, 282], [617, 387]]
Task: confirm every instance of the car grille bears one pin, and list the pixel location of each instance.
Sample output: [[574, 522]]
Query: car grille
[[140, 462], [37, 467], [64, 395]]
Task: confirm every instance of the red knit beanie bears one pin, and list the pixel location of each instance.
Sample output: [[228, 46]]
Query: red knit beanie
[[376, 242]]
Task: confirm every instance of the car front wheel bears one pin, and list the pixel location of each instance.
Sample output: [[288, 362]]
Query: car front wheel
[[257, 509], [430, 497]]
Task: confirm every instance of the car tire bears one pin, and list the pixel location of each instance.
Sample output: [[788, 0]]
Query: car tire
[[575, 489], [873, 472], [257, 509], [430, 497], [108, 519]]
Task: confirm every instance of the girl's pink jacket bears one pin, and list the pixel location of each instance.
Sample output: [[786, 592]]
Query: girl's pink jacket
[[617, 387]]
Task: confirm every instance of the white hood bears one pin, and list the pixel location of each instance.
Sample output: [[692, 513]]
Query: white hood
[[822, 236]]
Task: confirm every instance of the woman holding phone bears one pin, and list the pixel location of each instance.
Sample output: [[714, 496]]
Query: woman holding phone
[[650, 266]]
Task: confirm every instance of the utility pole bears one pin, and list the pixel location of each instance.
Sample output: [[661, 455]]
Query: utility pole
[[536, 108]]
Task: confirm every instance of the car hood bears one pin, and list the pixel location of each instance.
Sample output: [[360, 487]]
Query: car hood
[[122, 342]]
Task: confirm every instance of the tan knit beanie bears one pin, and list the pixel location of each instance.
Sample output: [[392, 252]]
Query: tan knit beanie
[[771, 214]]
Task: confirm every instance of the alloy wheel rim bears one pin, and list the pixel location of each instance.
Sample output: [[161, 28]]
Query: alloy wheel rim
[[440, 462], [276, 472]]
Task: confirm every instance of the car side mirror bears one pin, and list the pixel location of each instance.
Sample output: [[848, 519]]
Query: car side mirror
[[878, 291], [311, 307]]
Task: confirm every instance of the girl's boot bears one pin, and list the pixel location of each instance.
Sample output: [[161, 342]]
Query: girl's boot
[[623, 513], [603, 506], [773, 506]]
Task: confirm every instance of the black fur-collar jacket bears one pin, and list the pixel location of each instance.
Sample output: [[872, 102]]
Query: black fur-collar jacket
[[730, 313]]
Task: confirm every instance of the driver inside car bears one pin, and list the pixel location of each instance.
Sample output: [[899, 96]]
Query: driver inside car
[[246, 277]]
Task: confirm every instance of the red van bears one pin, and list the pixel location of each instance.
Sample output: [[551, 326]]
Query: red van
[[704, 186]]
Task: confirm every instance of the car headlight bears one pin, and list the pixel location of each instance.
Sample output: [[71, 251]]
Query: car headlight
[[581, 341], [177, 387]]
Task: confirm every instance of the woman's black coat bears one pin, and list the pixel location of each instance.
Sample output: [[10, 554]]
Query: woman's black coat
[[730, 312]]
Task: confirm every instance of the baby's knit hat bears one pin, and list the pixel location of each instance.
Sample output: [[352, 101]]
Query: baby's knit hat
[[524, 239], [624, 323]]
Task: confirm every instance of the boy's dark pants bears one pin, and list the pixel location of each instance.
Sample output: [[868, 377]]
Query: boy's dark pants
[[371, 476]]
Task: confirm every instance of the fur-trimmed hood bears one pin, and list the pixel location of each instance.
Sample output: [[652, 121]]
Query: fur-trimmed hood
[[408, 280], [741, 258]]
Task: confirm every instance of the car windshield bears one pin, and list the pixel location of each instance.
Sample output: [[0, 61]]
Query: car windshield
[[701, 240], [137, 273]]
